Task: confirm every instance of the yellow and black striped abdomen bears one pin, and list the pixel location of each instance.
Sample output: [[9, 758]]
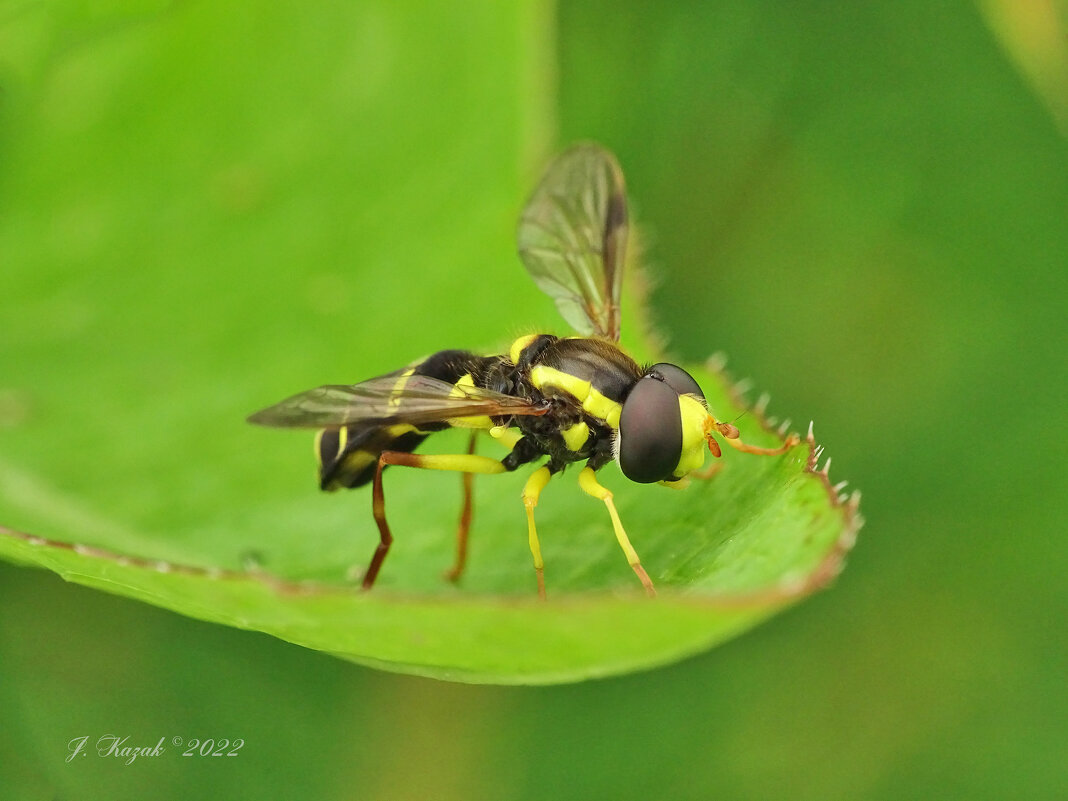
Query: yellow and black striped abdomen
[[348, 455]]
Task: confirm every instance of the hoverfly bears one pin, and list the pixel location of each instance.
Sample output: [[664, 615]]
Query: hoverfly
[[562, 399]]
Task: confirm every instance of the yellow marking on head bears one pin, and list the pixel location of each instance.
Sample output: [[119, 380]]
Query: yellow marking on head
[[593, 402], [519, 346], [576, 436], [694, 424]]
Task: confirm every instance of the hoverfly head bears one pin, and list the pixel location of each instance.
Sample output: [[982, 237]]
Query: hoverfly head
[[663, 427]]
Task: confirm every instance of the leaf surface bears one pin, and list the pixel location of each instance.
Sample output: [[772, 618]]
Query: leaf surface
[[196, 231]]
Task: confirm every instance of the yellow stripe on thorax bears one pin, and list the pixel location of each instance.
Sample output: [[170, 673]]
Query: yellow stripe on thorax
[[519, 346], [593, 402], [576, 436], [476, 421]]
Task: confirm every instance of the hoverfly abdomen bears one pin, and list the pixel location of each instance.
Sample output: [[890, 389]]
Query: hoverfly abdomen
[[348, 454]]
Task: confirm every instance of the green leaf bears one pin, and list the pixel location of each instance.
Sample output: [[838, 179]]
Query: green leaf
[[195, 231]]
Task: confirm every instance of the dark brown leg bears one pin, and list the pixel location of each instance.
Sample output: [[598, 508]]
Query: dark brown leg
[[378, 507], [465, 463], [468, 480]]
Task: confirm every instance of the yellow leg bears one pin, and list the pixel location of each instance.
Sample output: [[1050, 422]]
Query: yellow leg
[[508, 437], [531, 491], [459, 462], [589, 484]]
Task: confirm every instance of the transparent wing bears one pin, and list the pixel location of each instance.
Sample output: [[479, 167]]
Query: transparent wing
[[391, 399], [572, 238]]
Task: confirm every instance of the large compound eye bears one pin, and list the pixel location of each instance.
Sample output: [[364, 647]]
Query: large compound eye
[[676, 378], [650, 431]]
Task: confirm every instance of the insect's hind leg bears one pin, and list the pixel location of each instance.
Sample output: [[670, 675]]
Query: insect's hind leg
[[464, 463], [463, 529]]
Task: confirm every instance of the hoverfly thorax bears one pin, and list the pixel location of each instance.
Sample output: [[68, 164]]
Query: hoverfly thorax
[[664, 426]]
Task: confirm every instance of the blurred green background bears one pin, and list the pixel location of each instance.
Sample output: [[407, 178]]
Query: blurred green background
[[864, 206]]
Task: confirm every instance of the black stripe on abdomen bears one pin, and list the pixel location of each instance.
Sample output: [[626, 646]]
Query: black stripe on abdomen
[[347, 456], [354, 464]]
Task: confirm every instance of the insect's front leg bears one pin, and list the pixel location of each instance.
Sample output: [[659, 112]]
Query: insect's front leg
[[730, 434], [591, 486], [526, 450]]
